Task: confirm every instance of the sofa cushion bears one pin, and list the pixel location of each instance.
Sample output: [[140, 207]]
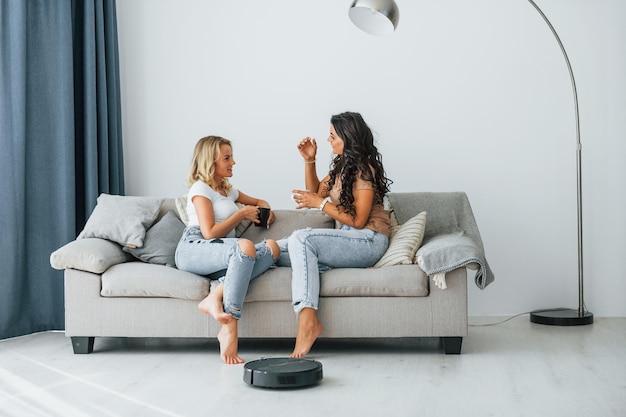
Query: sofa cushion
[[139, 279], [405, 240], [394, 281], [89, 254], [160, 242], [121, 219], [286, 222]]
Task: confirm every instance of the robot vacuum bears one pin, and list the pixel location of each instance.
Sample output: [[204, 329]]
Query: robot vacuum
[[282, 372]]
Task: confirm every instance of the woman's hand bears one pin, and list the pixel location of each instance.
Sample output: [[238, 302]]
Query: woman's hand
[[249, 213], [308, 149], [252, 213], [252, 206], [306, 199]]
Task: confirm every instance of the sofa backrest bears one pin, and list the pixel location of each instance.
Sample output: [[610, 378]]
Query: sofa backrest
[[447, 212], [286, 222]]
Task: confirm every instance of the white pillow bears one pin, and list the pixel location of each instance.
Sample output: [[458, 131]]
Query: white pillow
[[122, 219], [91, 255], [181, 209], [393, 220], [404, 242]]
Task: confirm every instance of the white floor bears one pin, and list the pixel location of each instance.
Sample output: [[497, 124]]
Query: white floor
[[515, 368]]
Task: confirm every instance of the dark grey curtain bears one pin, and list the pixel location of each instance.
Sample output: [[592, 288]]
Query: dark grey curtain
[[60, 143]]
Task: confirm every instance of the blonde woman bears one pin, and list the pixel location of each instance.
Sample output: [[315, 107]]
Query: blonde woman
[[208, 244]]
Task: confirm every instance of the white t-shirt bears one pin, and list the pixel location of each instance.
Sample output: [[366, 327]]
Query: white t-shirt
[[223, 207]]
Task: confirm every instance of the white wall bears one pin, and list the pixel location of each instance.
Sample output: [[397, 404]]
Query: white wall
[[465, 95]]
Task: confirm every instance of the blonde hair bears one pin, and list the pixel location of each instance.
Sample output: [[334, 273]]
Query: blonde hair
[[205, 153]]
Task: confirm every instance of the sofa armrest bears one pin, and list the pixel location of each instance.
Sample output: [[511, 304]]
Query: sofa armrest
[[89, 254], [449, 306]]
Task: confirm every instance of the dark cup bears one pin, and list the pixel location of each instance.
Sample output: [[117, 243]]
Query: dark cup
[[264, 215]]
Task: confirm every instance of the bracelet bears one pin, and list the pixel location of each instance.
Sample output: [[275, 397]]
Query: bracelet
[[323, 204], [309, 162]]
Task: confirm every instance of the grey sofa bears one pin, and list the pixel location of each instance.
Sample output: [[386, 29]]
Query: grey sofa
[[110, 293]]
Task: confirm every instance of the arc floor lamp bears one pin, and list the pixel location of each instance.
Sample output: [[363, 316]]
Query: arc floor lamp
[[380, 17]]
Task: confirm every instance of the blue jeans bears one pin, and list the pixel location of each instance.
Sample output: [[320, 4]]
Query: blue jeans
[[313, 251], [205, 257]]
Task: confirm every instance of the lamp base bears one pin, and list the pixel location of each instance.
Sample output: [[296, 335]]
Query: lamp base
[[561, 317]]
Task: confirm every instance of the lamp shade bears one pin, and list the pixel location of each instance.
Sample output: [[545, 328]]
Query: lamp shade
[[376, 17]]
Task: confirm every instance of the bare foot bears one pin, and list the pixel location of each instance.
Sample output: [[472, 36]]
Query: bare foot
[[228, 343], [309, 329], [212, 305]]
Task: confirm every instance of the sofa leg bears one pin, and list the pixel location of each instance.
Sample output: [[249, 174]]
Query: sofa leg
[[82, 345], [452, 345]]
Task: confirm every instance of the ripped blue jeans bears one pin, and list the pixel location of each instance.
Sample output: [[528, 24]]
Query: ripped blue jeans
[[310, 252], [205, 257]]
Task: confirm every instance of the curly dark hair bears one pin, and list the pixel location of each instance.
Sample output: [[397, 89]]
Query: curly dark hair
[[360, 157]]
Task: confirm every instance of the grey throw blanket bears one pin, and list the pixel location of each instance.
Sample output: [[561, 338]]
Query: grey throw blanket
[[451, 238]]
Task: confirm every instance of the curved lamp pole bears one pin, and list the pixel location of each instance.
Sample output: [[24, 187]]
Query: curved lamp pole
[[381, 17]]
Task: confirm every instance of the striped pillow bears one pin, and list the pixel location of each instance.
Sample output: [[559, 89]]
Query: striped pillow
[[405, 240]]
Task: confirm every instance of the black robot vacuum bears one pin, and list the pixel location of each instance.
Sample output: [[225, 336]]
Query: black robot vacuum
[[282, 372]]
